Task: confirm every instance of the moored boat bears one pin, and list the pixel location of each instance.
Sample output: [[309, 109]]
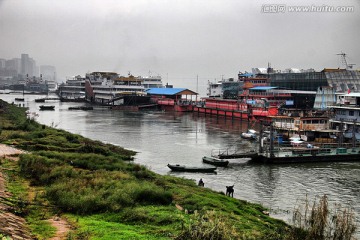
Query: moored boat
[[341, 152], [47, 107], [183, 168], [310, 155], [250, 154], [40, 100], [215, 161], [250, 134], [85, 108]]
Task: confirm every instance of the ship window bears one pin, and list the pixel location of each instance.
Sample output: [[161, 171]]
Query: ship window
[[351, 113]]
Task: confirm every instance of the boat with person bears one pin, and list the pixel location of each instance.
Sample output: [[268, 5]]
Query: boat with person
[[47, 107], [184, 168], [215, 161]]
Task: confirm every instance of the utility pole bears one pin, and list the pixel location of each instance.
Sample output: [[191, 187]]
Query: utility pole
[[271, 140], [261, 137], [353, 135], [197, 86]]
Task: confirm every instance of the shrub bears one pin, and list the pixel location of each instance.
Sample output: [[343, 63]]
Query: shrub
[[209, 225], [37, 134], [72, 138], [140, 172], [136, 215], [27, 125], [321, 223], [73, 196], [152, 194], [91, 148], [35, 167], [15, 135]]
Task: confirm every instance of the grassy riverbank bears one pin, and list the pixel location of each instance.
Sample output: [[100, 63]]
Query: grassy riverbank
[[104, 195]]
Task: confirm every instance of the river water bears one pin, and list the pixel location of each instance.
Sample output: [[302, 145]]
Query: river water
[[160, 138]]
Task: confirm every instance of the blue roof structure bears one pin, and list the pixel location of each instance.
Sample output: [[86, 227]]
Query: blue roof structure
[[166, 91], [262, 88]]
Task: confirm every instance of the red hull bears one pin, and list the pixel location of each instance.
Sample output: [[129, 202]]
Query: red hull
[[220, 112]]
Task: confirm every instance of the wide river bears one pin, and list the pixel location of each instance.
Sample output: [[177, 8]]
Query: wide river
[[160, 138]]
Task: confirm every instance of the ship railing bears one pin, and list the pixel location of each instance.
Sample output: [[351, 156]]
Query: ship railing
[[226, 152], [185, 102], [318, 149]]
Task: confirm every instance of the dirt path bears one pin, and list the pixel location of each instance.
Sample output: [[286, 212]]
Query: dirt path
[[62, 226], [15, 226], [10, 224], [6, 151]]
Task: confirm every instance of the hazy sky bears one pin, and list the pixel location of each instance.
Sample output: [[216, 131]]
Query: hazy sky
[[177, 39]]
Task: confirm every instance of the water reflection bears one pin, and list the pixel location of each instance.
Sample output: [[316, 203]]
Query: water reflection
[[266, 179]]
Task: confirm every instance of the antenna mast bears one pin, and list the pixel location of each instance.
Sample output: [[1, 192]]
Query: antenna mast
[[344, 62]]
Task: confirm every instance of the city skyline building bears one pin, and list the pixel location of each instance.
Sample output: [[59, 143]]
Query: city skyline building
[[48, 72], [28, 66], [25, 68]]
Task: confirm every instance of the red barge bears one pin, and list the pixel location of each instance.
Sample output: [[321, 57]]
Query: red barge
[[234, 108]]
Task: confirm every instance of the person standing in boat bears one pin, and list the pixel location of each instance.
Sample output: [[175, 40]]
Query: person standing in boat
[[201, 183]]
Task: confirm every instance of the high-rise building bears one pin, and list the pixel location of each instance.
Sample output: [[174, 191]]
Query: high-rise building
[[28, 66], [13, 64], [2, 63], [9, 68]]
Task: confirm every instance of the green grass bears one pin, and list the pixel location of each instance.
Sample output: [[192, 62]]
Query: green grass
[[107, 196], [100, 228], [41, 228]]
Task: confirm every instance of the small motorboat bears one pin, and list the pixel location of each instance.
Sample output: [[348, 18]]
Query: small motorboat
[[47, 107], [183, 168], [215, 161], [250, 134]]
